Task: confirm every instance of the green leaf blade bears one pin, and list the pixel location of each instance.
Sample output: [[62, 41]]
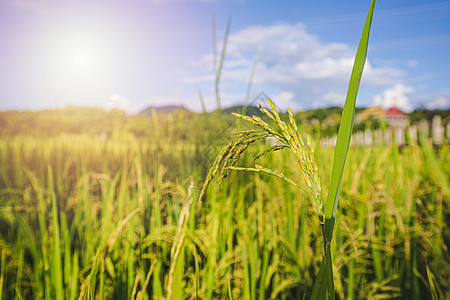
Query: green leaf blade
[[346, 127]]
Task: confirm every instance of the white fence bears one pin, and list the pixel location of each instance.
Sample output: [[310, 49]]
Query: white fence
[[398, 135]]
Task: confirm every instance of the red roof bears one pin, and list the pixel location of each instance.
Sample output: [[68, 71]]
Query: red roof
[[394, 112]]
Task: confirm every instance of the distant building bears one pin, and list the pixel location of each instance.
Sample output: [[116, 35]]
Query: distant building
[[396, 118]]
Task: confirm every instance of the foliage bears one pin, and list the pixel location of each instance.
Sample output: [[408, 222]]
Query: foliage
[[165, 128], [120, 206], [426, 114]]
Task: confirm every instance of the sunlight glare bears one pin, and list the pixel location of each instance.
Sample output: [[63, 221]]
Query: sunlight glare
[[80, 55]]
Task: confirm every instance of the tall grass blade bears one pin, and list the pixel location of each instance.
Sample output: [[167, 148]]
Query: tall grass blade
[[57, 258], [218, 68], [346, 127], [74, 277], [249, 89], [175, 284], [340, 155], [202, 100], [438, 173], [20, 265], [431, 283], [214, 41], [2, 272], [88, 291]]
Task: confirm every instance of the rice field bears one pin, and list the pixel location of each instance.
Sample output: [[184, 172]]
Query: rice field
[[84, 218]]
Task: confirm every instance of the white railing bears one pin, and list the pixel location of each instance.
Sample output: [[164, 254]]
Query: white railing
[[397, 135]]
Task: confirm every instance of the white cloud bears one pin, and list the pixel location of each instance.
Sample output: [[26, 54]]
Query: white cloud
[[323, 68], [335, 99], [117, 101], [285, 100], [291, 61], [395, 96], [412, 63], [280, 42], [380, 77], [440, 102], [436, 101]]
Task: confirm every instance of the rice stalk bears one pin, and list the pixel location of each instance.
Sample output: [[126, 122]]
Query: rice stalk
[[2, 272], [288, 135], [177, 250]]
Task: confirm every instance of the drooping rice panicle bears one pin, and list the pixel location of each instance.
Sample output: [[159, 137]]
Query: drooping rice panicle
[[270, 149], [292, 120], [265, 111], [259, 122], [287, 135], [239, 147], [274, 111], [262, 169], [214, 169]]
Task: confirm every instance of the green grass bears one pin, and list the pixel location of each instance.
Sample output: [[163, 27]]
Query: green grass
[[124, 228]]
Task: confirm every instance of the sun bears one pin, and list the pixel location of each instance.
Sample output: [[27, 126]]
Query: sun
[[79, 54]]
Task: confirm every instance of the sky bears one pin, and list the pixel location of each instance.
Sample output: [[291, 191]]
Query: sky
[[138, 53]]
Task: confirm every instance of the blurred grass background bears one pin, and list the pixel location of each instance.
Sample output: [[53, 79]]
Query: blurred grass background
[[109, 214]]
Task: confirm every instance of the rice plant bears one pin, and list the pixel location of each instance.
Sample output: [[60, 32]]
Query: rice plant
[[254, 237], [290, 138]]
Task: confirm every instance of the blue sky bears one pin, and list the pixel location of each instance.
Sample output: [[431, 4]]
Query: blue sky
[[137, 53]]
